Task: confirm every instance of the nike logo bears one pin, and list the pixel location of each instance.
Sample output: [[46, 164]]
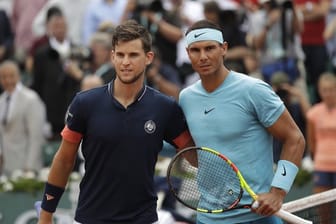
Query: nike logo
[[197, 35], [208, 111], [49, 197], [284, 171]]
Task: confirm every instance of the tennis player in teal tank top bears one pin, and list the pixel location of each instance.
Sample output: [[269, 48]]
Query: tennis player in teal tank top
[[239, 116]]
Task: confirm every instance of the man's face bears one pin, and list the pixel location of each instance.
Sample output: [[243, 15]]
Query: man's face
[[8, 78], [130, 60], [206, 57], [327, 91], [57, 28]]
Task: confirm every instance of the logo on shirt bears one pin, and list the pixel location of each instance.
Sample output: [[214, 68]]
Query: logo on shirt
[[150, 127], [208, 111], [284, 171]]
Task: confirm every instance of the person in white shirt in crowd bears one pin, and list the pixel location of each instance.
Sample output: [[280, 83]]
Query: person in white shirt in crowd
[[23, 118]]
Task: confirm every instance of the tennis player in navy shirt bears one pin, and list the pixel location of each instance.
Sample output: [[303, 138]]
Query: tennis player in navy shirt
[[121, 126]]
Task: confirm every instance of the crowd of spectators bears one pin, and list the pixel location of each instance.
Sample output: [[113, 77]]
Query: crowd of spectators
[[57, 44]]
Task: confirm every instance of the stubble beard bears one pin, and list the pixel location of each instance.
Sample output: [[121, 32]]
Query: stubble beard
[[133, 80]]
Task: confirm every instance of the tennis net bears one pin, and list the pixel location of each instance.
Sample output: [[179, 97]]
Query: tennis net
[[320, 208]]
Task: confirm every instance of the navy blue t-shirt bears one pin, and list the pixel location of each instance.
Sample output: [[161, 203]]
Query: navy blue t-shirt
[[120, 146]]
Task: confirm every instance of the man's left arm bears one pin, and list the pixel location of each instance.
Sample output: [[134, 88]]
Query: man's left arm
[[285, 130]]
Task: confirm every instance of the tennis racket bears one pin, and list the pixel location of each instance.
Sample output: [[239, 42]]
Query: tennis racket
[[211, 183]]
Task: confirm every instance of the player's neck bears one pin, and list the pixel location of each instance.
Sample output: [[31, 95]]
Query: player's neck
[[126, 93], [211, 82]]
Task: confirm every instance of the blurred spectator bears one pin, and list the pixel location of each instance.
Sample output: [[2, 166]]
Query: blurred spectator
[[99, 11], [332, 10], [23, 117], [212, 12], [101, 46], [321, 139], [106, 27], [90, 82], [55, 74], [321, 132], [228, 19], [278, 42], [252, 65], [163, 76], [93, 60], [23, 14], [296, 102], [186, 12], [6, 5], [74, 13], [164, 28], [329, 35], [178, 9], [1, 156], [251, 18], [314, 46], [6, 37], [42, 40]]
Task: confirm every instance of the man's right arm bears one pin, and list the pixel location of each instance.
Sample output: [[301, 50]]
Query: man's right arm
[[60, 170]]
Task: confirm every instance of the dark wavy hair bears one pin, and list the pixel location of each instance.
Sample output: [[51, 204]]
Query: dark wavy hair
[[132, 30]]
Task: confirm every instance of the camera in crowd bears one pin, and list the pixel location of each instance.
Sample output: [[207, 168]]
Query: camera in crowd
[[82, 55]]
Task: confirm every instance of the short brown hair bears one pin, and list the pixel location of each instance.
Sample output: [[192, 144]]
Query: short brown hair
[[131, 30]]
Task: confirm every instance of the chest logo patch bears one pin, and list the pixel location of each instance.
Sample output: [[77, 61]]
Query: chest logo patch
[[150, 127]]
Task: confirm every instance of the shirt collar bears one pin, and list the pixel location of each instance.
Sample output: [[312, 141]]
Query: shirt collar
[[17, 88], [139, 96]]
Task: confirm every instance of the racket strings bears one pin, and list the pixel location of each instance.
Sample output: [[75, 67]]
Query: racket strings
[[212, 186]]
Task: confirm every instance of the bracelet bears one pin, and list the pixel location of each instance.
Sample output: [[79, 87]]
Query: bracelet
[[284, 175], [52, 195]]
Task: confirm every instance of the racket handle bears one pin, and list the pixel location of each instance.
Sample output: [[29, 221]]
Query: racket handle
[[289, 217]]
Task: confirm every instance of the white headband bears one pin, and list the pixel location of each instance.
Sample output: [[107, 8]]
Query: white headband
[[204, 34]]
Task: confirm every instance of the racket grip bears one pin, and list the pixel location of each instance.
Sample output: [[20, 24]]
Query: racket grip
[[289, 217]]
